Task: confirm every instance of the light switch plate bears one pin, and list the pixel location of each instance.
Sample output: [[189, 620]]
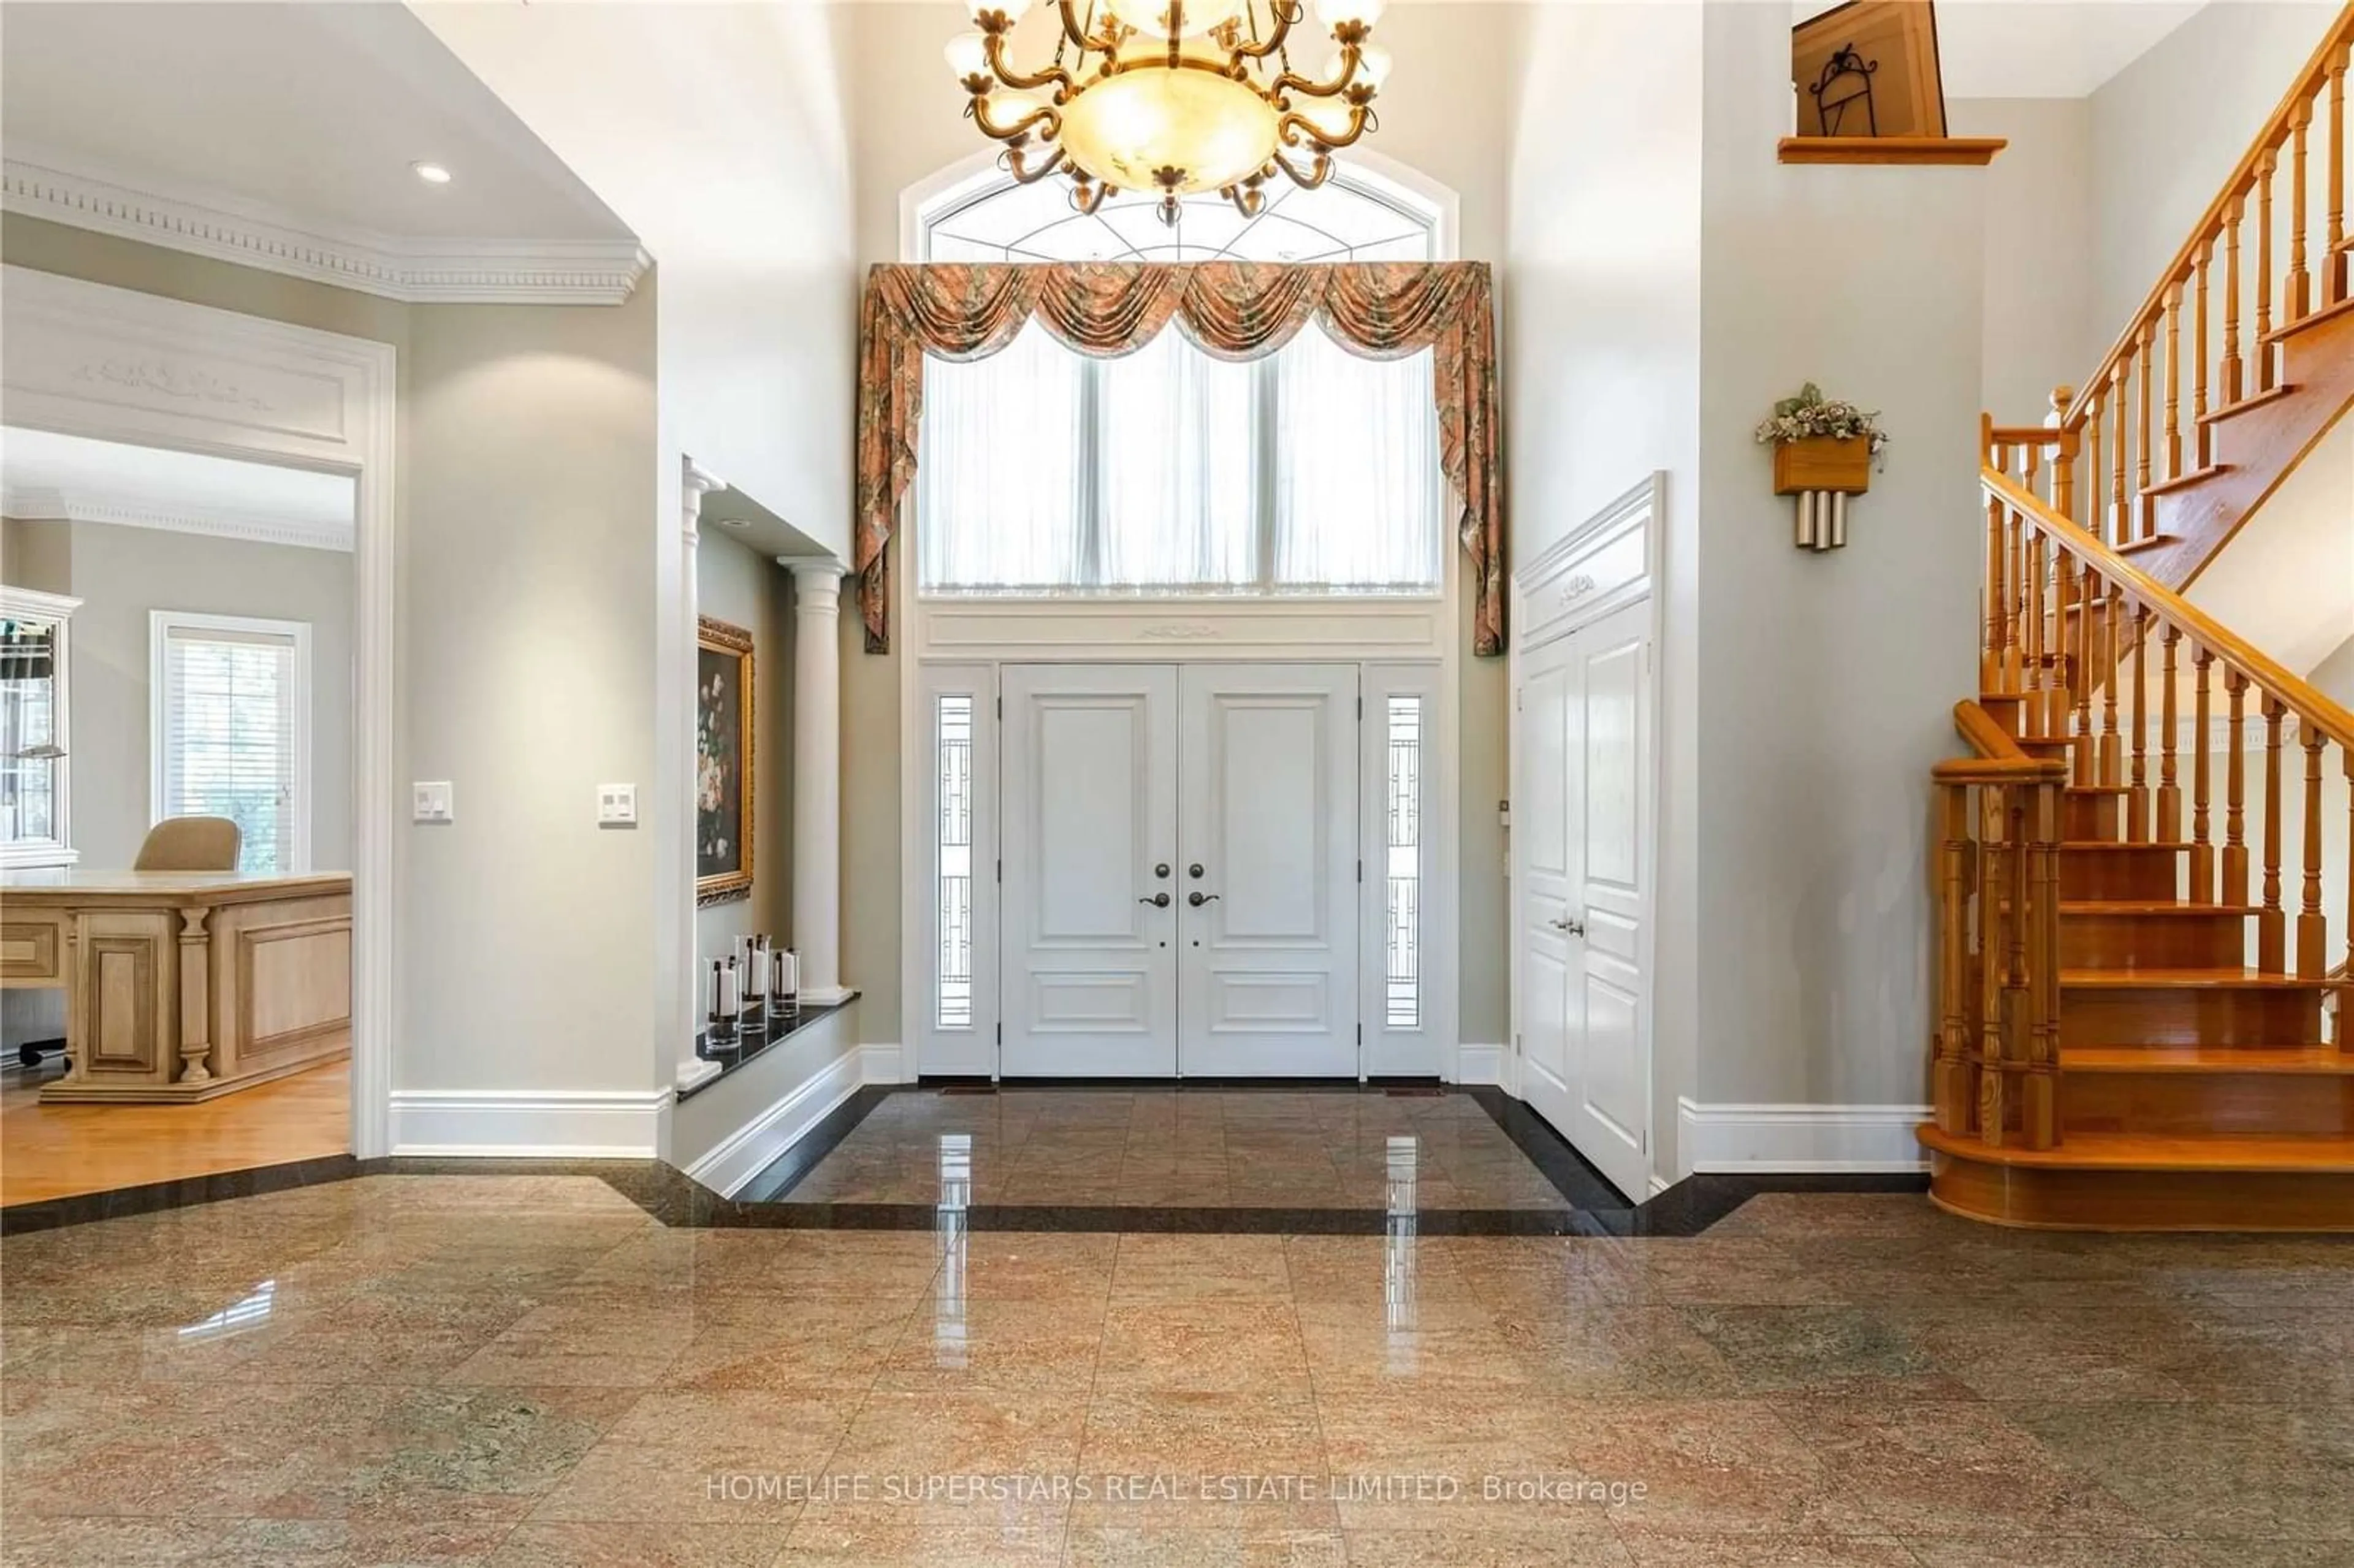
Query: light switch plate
[[433, 802], [616, 805]]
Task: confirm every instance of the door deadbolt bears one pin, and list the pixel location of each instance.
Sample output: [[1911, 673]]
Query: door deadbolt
[[1162, 870], [1194, 871]]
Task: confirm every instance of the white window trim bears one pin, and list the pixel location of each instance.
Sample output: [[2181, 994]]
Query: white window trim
[[161, 625], [29, 604]]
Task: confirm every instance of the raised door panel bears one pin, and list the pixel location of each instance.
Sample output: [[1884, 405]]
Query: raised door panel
[[1612, 730], [1268, 809], [1090, 842], [126, 988], [1541, 815]]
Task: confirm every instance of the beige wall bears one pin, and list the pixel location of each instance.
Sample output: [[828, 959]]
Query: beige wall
[[530, 539], [2041, 327], [1442, 120], [747, 590], [1602, 312], [37, 553], [120, 575], [1826, 682]]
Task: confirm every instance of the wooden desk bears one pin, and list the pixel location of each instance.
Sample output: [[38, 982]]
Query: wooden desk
[[182, 985]]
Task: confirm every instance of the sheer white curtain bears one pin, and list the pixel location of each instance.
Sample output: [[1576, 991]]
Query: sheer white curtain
[[1313, 471], [1356, 486], [999, 473], [1178, 486]]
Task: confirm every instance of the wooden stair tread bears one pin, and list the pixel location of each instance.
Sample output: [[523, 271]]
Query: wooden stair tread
[[2252, 401], [2142, 1151], [2100, 789], [2176, 845], [2311, 319], [2185, 480], [2185, 980], [2320, 1061], [2150, 906], [2156, 541]]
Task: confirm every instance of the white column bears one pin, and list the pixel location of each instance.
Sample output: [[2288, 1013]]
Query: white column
[[817, 776], [694, 484]]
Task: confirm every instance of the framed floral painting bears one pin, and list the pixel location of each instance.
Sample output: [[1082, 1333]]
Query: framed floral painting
[[723, 761]]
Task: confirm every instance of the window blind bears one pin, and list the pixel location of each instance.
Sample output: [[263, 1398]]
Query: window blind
[[229, 735]]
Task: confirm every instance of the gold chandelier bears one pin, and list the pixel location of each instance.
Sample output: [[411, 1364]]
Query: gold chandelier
[[1172, 96]]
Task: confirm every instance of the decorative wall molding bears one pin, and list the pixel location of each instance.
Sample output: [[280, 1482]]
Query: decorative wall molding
[[43, 503], [760, 1144], [622, 1124], [415, 271], [1798, 1138]]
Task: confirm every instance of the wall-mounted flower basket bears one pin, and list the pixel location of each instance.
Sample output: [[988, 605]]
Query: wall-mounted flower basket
[[1823, 451]]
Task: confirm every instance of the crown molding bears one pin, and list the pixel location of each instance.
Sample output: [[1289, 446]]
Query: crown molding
[[413, 271], [45, 504]]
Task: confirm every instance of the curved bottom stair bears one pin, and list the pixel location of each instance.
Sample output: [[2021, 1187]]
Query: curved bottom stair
[[2134, 1182]]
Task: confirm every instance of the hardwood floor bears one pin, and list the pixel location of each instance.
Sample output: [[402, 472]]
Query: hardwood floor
[[57, 1151]]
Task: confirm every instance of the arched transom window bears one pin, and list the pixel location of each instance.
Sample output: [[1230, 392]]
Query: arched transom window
[[1310, 471]]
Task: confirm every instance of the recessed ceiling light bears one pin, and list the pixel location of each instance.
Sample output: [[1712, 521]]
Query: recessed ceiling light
[[737, 523], [431, 174]]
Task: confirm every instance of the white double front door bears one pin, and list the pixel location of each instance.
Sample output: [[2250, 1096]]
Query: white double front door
[[1181, 871]]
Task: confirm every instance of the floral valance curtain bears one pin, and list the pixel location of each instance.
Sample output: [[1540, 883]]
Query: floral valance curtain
[[1230, 310]]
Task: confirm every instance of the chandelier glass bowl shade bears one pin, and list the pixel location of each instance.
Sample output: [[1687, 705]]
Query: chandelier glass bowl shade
[[1171, 96]]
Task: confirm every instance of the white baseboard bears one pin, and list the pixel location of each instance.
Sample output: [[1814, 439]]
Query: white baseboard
[[1479, 1063], [1800, 1138], [758, 1144], [619, 1124], [882, 1064]]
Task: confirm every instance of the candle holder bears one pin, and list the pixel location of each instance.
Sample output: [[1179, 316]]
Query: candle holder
[[725, 1006], [784, 982]]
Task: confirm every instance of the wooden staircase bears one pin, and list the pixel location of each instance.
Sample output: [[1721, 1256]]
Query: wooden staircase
[[2222, 382], [2141, 1019]]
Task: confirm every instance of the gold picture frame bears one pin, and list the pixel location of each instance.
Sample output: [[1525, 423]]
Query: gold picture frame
[[1897, 40], [726, 762]]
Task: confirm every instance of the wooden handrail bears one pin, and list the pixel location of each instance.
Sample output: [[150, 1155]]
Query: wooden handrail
[[1997, 757], [2173, 610], [2276, 129]]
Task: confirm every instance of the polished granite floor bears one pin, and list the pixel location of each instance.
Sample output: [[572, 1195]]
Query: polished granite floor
[[531, 1370], [1159, 1148]]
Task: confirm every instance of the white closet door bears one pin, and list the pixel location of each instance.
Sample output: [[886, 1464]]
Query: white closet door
[[1610, 745], [1090, 915], [1580, 804], [1268, 835]]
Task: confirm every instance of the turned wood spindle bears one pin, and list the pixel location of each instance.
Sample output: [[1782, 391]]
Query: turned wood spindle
[[2233, 382], [2041, 1110], [2202, 850], [2333, 286], [2035, 718], [2095, 476], [1993, 884], [2271, 923], [2235, 788], [2173, 386], [2116, 533], [2112, 768], [2169, 792], [1997, 620], [2137, 802], [2297, 301], [2202, 448], [1952, 1086], [2144, 512], [2262, 351], [2312, 934]]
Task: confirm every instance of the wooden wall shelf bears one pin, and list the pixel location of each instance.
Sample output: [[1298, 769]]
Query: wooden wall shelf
[[1889, 149]]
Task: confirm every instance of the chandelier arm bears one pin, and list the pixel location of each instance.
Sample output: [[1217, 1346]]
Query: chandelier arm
[[1249, 203], [1053, 75], [1280, 19], [1291, 127], [1025, 175], [1076, 30], [1322, 170], [1085, 197], [1292, 81], [1047, 122]]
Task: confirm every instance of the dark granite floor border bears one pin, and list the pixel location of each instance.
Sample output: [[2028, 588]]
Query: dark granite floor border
[[1596, 1208]]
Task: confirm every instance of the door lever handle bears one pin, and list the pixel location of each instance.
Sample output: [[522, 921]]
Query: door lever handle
[[1574, 928], [1159, 901], [1198, 899]]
